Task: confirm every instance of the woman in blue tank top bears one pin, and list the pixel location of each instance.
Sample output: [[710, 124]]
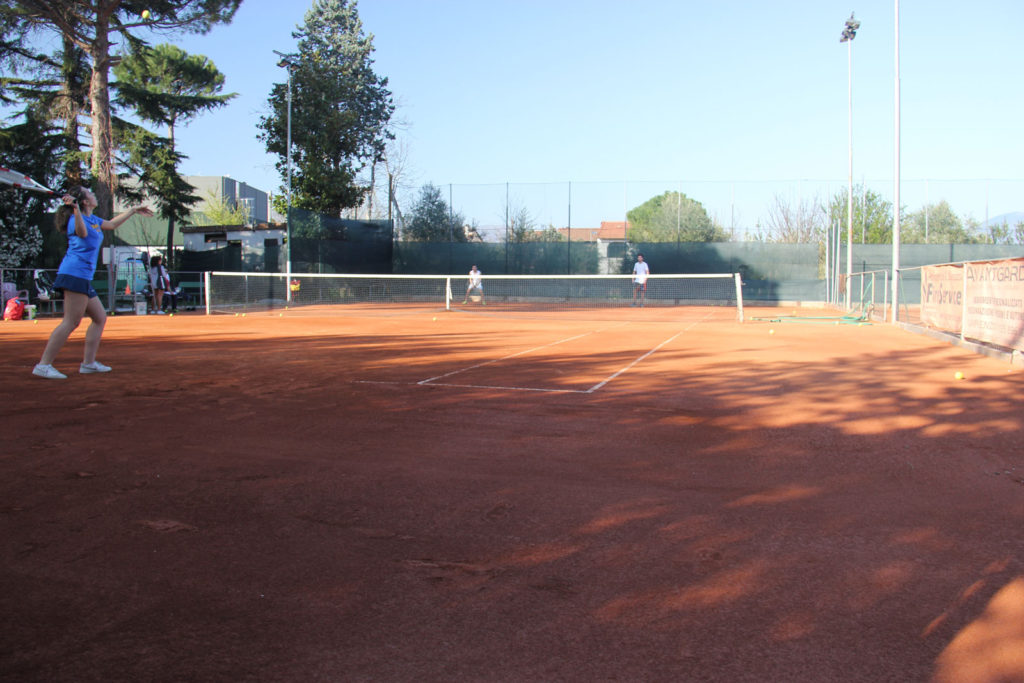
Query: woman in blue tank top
[[74, 277]]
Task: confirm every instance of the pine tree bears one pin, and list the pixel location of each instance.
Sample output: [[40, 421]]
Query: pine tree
[[165, 85], [339, 114], [90, 25]]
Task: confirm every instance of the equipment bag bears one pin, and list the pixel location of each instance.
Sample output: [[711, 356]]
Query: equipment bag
[[14, 310]]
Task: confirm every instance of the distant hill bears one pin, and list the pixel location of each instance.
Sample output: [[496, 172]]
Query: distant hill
[[1010, 219]]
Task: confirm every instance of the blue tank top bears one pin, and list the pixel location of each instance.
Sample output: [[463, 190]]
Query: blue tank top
[[83, 252]]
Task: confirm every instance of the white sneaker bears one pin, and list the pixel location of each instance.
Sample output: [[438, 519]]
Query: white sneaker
[[92, 367], [48, 372]]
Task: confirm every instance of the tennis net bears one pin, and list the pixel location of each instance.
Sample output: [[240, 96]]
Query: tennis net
[[239, 292]]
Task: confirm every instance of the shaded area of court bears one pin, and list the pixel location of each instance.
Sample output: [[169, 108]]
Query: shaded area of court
[[279, 498]]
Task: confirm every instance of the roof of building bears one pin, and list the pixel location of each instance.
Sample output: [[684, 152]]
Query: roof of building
[[609, 231]]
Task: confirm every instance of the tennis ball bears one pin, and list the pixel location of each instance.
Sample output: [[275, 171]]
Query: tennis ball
[[145, 14], [435, 317], [771, 331], [958, 375]]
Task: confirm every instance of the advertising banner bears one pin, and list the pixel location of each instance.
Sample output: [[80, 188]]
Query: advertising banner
[[995, 302], [942, 297]]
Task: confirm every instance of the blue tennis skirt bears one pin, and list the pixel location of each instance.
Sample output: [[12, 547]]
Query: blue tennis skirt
[[70, 283]]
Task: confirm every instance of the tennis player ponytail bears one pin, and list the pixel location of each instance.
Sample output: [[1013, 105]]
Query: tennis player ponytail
[[64, 213]]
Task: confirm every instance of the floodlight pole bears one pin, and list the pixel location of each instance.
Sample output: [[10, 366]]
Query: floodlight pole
[[287, 62], [849, 33], [896, 182]]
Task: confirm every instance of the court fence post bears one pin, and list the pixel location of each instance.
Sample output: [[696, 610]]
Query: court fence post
[[206, 290], [739, 294]]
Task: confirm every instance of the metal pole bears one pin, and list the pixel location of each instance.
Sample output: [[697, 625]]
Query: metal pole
[[451, 228], [849, 177], [896, 182], [568, 232], [288, 218], [849, 33], [506, 227], [287, 62]]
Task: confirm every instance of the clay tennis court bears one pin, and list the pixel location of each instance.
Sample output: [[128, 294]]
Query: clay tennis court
[[410, 494]]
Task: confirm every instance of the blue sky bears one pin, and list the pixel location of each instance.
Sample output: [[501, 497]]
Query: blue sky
[[732, 102]]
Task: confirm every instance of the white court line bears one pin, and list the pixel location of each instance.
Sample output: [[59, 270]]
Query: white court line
[[673, 337], [433, 380], [519, 353]]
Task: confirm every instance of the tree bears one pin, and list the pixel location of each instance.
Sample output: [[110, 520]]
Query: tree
[[1004, 233], [521, 225], [339, 113], [42, 138], [29, 148], [672, 217], [432, 221], [219, 211], [936, 224], [54, 87], [523, 228], [165, 85], [90, 25], [800, 224], [872, 216]]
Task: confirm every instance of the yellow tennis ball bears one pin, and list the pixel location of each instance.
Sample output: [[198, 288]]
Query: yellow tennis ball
[[145, 14], [435, 317], [958, 375], [771, 331]]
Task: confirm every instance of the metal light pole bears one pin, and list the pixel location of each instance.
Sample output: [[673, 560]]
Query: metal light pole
[[287, 62], [849, 33], [896, 182]]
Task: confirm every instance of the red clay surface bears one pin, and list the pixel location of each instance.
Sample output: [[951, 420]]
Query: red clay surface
[[380, 495]]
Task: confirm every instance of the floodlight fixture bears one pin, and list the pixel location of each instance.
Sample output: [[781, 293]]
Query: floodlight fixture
[[850, 30]]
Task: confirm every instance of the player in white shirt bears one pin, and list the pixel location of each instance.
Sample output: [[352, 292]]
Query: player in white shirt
[[475, 284], [640, 272]]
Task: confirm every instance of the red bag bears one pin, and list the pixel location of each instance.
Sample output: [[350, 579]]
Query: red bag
[[15, 310]]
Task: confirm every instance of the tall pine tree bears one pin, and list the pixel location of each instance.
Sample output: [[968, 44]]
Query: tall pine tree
[[340, 110]]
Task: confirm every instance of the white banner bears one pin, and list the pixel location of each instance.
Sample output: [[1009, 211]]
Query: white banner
[[942, 297], [995, 302]]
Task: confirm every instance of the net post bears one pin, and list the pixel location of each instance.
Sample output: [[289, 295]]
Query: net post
[[739, 294], [448, 293], [206, 288]]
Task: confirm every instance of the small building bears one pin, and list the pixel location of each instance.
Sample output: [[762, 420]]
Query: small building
[[247, 248], [233, 193]]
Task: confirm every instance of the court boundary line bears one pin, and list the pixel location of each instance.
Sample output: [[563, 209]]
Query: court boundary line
[[514, 355], [432, 381]]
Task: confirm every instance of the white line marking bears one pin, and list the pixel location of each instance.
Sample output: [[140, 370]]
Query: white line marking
[[519, 353], [613, 376], [471, 386], [433, 380]]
